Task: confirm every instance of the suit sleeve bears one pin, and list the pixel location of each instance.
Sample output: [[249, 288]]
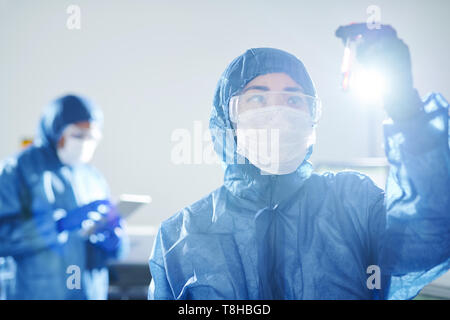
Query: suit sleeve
[[15, 229], [159, 288], [10, 204], [21, 231], [411, 228]]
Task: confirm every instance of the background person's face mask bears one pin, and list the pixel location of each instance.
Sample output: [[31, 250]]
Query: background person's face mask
[[275, 138], [79, 145]]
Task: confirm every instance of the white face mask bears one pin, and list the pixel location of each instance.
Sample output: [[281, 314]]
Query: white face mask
[[76, 149], [275, 139]]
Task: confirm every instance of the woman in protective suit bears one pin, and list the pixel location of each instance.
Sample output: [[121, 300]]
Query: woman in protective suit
[[277, 230]]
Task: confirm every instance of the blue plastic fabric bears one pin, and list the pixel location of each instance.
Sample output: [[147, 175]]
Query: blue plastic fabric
[[306, 235], [35, 190]]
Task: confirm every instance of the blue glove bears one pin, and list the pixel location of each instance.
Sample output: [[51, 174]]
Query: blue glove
[[74, 219], [108, 233], [99, 221]]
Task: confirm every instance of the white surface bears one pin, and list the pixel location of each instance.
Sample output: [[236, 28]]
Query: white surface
[[439, 288]]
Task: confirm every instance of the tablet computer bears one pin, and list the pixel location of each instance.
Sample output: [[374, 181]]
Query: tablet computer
[[129, 203]]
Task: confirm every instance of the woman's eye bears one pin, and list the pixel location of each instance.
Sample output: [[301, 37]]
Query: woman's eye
[[295, 101], [256, 99]]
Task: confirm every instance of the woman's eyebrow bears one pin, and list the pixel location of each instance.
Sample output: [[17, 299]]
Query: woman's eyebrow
[[293, 89], [262, 88]]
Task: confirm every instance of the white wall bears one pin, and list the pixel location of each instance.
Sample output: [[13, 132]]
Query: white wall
[[153, 67]]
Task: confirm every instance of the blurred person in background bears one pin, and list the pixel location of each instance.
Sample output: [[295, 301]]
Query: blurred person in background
[[56, 217]]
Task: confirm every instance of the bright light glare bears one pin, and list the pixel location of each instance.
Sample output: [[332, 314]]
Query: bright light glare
[[368, 85]]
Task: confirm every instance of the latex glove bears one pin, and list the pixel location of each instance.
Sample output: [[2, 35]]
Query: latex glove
[[108, 233], [98, 221], [85, 216]]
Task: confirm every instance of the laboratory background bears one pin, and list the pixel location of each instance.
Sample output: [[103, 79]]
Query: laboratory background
[[152, 67]]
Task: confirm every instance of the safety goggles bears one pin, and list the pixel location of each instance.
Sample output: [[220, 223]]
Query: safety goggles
[[93, 133], [256, 100]]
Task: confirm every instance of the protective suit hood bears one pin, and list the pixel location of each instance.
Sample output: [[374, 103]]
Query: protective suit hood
[[245, 180], [62, 112]]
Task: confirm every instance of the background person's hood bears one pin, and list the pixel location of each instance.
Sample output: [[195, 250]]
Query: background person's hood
[[62, 112]]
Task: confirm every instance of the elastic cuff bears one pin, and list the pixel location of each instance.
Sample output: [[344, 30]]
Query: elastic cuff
[[423, 132], [406, 105]]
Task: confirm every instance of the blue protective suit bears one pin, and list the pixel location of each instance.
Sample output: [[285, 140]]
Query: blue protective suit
[[34, 186], [306, 235]]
